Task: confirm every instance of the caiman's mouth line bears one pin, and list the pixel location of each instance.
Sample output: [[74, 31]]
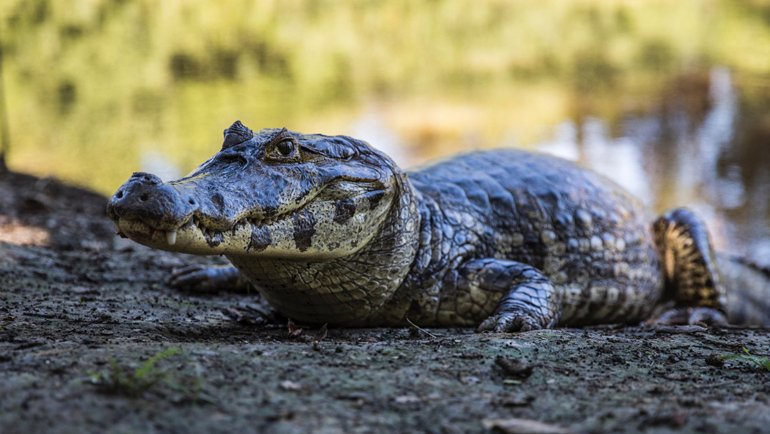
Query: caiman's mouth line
[[210, 234]]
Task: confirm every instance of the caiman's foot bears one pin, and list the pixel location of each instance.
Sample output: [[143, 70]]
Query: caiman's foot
[[510, 322], [258, 313], [691, 315], [528, 300], [197, 278]]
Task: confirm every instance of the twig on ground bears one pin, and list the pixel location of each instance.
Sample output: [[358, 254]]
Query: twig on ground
[[418, 328]]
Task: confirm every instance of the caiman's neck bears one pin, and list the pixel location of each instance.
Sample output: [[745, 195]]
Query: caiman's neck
[[353, 288]]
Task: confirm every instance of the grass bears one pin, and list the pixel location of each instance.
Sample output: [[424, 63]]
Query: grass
[[759, 362], [152, 374]]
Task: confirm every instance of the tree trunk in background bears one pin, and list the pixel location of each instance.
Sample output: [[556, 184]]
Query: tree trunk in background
[[5, 137]]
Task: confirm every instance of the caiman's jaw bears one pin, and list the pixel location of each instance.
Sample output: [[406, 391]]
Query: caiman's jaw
[[321, 228], [320, 206]]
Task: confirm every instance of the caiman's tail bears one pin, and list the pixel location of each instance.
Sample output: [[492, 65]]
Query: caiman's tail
[[748, 290]]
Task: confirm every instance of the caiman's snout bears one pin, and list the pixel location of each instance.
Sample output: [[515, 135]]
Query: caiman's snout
[[146, 199]]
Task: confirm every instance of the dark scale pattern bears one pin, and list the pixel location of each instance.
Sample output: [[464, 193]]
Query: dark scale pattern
[[344, 210], [259, 240], [304, 229]]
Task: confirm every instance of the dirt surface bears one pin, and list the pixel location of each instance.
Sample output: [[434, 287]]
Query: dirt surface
[[93, 340]]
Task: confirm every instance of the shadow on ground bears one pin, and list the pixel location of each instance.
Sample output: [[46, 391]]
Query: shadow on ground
[[93, 340]]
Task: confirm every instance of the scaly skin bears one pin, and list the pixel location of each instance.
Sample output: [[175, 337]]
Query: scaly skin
[[589, 238], [330, 230]]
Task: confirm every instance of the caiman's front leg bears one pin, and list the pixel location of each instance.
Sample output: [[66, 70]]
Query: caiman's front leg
[[198, 278], [528, 302]]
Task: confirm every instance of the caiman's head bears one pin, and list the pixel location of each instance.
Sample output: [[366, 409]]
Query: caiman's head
[[275, 193]]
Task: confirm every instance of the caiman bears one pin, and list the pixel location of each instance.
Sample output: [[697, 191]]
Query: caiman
[[330, 230]]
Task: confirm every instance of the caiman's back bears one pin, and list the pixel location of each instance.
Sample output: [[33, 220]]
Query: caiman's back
[[589, 237]]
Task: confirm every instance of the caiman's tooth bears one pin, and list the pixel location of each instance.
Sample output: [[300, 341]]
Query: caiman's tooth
[[171, 237]]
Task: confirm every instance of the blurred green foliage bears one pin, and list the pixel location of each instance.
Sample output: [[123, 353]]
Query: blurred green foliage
[[93, 84]]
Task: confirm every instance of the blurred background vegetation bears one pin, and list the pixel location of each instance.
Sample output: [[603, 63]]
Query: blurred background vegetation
[[670, 98]]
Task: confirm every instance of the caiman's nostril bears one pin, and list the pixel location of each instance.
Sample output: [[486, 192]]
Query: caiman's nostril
[[191, 201], [146, 198]]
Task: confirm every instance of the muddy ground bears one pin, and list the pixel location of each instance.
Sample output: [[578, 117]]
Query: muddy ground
[[93, 340]]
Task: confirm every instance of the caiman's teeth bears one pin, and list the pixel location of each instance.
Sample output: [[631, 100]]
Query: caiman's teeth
[[238, 225], [171, 237]]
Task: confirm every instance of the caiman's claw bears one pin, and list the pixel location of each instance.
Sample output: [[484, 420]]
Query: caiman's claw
[[690, 316], [198, 278], [509, 322]]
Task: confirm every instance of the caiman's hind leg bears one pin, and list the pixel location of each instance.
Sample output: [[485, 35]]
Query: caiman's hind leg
[[198, 278], [691, 275], [528, 298]]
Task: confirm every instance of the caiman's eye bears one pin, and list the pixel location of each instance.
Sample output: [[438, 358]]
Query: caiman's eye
[[283, 150], [285, 147]]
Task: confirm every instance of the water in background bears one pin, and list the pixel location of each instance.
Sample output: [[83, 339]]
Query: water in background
[[670, 99]]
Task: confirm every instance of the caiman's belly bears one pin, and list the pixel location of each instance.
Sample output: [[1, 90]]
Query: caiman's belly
[[297, 291]]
